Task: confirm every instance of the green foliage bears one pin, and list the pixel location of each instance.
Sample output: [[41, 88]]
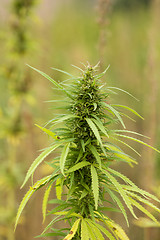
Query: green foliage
[[83, 168]]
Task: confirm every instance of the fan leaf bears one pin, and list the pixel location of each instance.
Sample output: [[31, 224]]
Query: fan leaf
[[38, 160], [128, 108], [116, 113], [84, 230], [28, 196], [121, 192], [64, 156], [137, 140], [96, 155]]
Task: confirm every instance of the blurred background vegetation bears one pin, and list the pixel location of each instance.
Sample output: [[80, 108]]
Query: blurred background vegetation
[[44, 34]]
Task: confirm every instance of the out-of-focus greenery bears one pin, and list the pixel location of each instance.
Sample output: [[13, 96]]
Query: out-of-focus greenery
[[73, 37]]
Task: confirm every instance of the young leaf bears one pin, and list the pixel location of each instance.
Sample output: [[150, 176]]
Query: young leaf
[[84, 194], [78, 166], [50, 133], [103, 73], [95, 185], [38, 160], [100, 125], [94, 129], [64, 156], [96, 155]]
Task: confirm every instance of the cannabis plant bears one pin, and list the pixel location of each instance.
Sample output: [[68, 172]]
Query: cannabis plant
[[82, 174]]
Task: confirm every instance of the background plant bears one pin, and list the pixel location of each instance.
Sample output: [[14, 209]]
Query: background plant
[[82, 174], [16, 115]]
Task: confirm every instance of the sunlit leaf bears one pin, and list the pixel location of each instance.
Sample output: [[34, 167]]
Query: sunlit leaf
[[95, 185], [59, 187], [73, 230], [45, 201], [50, 133]]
